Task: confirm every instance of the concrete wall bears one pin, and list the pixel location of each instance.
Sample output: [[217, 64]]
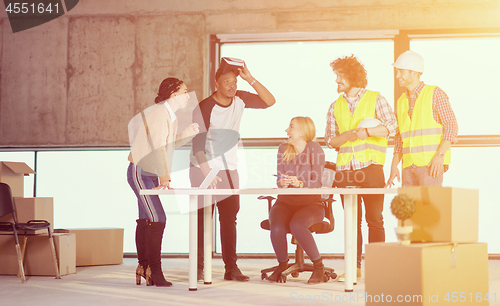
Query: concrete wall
[[78, 79]]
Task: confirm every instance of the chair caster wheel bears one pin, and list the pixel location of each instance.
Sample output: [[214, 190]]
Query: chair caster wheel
[[330, 275], [282, 279], [295, 274], [263, 276]]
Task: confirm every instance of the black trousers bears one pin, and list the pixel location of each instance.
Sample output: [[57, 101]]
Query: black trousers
[[228, 207], [369, 177]]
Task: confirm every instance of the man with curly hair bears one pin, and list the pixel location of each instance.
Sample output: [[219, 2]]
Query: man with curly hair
[[361, 147]]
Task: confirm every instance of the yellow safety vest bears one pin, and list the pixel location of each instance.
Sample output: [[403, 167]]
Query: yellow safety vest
[[370, 149], [422, 134]]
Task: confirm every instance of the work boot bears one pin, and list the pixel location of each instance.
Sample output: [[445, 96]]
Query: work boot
[[235, 274], [154, 273]]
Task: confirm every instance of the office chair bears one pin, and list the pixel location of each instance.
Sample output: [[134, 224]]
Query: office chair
[[323, 227], [7, 207]]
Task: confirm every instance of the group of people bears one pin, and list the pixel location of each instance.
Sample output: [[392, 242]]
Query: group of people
[[422, 123]]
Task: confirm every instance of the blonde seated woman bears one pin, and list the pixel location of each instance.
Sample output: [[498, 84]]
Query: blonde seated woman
[[300, 165]]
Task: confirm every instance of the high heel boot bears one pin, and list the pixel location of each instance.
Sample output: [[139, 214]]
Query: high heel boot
[[154, 272], [318, 274], [140, 243], [276, 276]]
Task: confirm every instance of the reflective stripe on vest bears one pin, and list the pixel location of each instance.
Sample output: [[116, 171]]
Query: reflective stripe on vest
[[370, 149], [421, 149], [422, 134]]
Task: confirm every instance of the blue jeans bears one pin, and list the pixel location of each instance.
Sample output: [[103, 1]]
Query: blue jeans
[[150, 206], [295, 219]]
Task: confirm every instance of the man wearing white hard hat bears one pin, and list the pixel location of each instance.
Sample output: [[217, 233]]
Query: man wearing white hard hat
[[427, 127], [359, 124]]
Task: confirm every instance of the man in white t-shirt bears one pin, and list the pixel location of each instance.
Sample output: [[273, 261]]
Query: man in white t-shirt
[[219, 119]]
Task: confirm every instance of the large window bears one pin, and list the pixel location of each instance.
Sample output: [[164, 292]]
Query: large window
[[299, 75], [467, 70]]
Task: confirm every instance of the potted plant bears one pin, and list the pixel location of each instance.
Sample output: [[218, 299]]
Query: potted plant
[[403, 207]]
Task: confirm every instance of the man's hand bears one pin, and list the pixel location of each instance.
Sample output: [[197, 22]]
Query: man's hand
[[213, 184], [394, 174], [362, 133], [436, 166], [245, 73], [351, 135]]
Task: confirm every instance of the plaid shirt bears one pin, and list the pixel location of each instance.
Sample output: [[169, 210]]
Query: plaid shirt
[[383, 112], [441, 112]]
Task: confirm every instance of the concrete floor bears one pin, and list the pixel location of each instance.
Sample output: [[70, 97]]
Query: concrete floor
[[115, 285]]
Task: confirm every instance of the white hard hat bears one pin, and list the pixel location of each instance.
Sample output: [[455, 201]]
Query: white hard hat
[[410, 60], [369, 122]]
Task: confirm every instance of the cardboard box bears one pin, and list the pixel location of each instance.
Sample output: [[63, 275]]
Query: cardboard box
[[33, 209], [8, 255], [38, 255], [426, 274], [97, 246], [444, 214], [12, 173], [65, 244]]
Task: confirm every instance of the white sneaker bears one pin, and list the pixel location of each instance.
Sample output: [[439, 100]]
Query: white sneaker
[[341, 278]]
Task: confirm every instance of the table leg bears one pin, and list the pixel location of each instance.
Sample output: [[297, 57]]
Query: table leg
[[349, 246], [193, 242], [208, 239], [354, 228]]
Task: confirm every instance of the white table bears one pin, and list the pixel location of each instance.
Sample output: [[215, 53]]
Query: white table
[[350, 222]]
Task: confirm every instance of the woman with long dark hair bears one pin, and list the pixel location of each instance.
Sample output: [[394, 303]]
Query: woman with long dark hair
[[153, 137]]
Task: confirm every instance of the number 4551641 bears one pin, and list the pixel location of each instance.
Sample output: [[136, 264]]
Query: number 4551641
[[25, 8]]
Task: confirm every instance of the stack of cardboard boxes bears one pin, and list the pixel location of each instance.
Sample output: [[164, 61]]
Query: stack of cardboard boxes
[[74, 247], [38, 254], [443, 264]]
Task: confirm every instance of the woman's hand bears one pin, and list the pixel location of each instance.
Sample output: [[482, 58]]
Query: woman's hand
[[191, 130], [163, 185], [195, 127], [292, 181], [285, 182]]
